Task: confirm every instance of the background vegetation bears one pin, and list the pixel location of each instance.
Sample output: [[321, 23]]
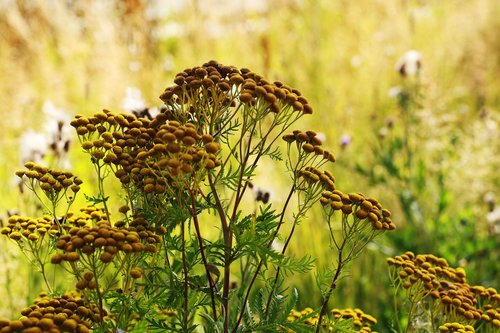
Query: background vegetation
[[426, 146]]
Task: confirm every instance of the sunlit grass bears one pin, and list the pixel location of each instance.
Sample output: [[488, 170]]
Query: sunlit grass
[[340, 54]]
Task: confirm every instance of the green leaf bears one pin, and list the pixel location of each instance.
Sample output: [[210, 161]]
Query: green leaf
[[95, 200]]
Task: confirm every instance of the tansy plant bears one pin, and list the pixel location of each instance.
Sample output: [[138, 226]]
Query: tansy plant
[[438, 297], [185, 253]]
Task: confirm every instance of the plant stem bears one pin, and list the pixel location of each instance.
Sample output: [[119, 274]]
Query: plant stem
[[395, 301], [228, 240], [203, 256], [42, 270], [186, 282], [100, 183], [332, 287], [257, 270], [98, 292]]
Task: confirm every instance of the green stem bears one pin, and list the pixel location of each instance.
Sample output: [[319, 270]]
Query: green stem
[[100, 184], [98, 291], [332, 287], [227, 233], [186, 278], [259, 266], [203, 256]]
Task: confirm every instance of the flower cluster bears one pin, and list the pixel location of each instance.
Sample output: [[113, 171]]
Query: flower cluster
[[155, 155], [88, 216], [456, 327], [360, 207], [106, 241], [226, 86], [53, 182], [428, 275], [361, 321], [314, 175], [21, 228], [178, 150], [61, 314], [309, 142]]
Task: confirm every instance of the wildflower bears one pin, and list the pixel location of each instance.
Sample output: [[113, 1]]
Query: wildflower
[[66, 313], [456, 327], [277, 246], [493, 219], [59, 133], [433, 277], [361, 207], [53, 182], [489, 199], [345, 140], [261, 195], [409, 64], [133, 101], [33, 146], [395, 92], [213, 83], [360, 321], [106, 240], [383, 132]]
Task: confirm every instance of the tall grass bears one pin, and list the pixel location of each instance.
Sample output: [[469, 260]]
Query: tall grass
[[341, 54]]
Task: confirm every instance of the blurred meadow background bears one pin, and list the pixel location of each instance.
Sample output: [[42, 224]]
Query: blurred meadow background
[[406, 94]]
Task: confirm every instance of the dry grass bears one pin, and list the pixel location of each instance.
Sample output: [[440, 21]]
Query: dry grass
[[340, 54]]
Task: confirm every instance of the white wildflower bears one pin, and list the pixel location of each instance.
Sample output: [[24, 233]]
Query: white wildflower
[[493, 219], [33, 146], [395, 91], [409, 64], [277, 246], [153, 112], [133, 100], [58, 132]]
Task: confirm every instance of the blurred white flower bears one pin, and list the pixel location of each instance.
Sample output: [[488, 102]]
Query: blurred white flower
[[33, 147], [170, 30], [493, 219], [356, 61], [383, 132], [54, 115], [153, 112], [489, 198], [58, 132], [133, 100], [168, 63], [395, 91], [158, 9], [410, 63], [277, 246]]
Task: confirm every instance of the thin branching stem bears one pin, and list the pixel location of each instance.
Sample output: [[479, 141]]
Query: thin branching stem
[[259, 265], [331, 288], [211, 282], [227, 234], [186, 277]]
